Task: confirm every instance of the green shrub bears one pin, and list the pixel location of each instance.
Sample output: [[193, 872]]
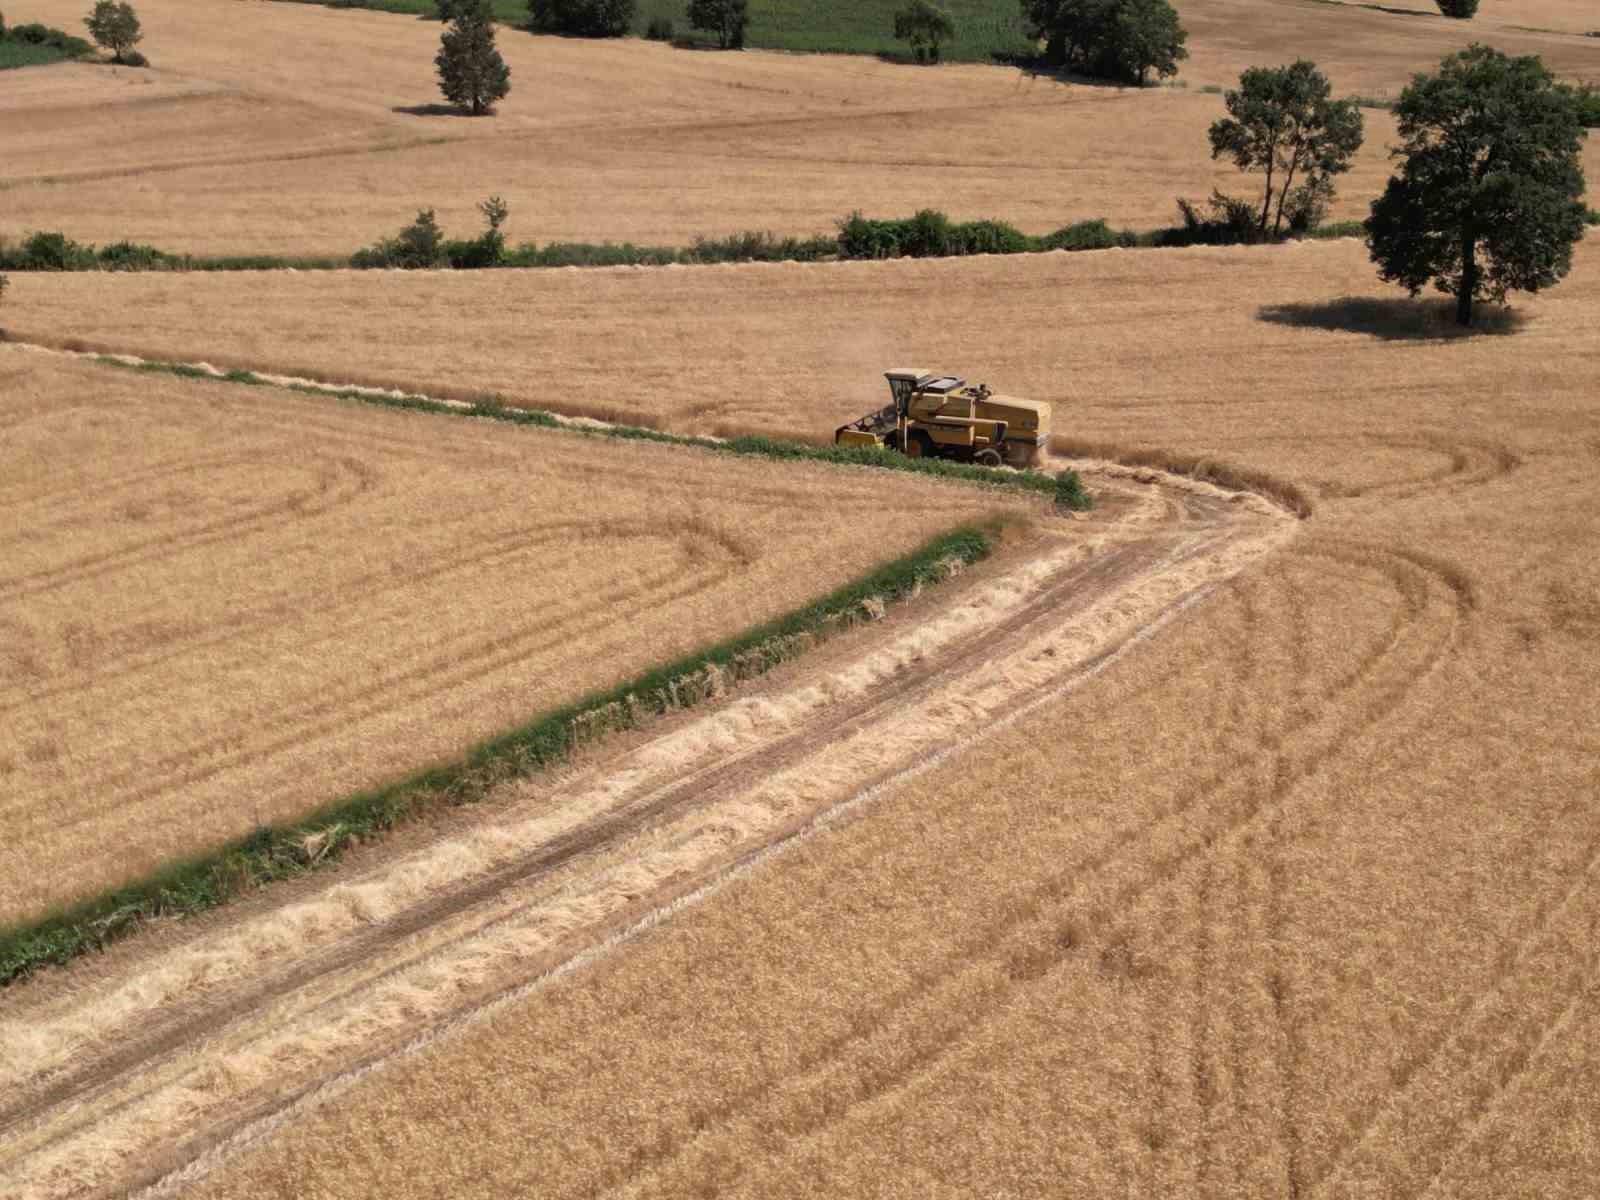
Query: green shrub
[[1070, 493], [590, 254], [987, 237], [659, 29], [1460, 9], [42, 35], [418, 247], [134, 256], [755, 246], [1086, 235], [54, 252], [1222, 221]]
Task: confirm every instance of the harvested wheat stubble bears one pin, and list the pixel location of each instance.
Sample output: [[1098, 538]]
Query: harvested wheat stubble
[[292, 129], [128, 1079], [225, 606], [1304, 900]]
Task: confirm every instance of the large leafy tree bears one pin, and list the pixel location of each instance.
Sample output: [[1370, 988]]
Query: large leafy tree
[[725, 18], [1112, 39], [115, 26], [471, 71], [1283, 123], [1489, 195], [925, 27]]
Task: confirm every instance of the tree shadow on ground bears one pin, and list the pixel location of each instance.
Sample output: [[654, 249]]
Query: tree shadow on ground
[[433, 110], [1393, 320]]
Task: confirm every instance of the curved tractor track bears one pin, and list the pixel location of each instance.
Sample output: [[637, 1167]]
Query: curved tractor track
[[196, 1047]]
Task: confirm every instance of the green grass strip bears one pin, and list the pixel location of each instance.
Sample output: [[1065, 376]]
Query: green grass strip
[[1066, 488], [286, 851]]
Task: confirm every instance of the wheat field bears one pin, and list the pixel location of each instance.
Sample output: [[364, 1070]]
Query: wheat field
[[1302, 900], [267, 128], [1269, 334], [224, 606]]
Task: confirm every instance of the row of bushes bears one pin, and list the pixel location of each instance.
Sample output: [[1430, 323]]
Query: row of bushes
[[929, 234], [55, 251]]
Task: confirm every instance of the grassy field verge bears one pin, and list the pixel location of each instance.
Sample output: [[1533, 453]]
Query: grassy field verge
[[1066, 488], [283, 852]]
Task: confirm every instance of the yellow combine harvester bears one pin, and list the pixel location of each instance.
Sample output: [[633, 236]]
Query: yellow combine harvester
[[941, 416]]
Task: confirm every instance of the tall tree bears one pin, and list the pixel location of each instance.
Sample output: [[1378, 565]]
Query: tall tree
[[471, 70], [115, 26], [1282, 122], [1489, 195], [725, 18], [925, 27]]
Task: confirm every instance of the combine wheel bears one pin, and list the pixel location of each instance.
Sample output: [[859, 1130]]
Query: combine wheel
[[987, 458]]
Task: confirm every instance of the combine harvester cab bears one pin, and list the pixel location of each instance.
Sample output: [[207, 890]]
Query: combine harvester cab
[[942, 416]]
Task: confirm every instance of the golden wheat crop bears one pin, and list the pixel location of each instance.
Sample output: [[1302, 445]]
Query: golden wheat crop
[[224, 606], [1304, 899], [802, 348], [312, 143]]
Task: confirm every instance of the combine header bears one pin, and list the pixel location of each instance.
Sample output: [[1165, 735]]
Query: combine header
[[940, 416]]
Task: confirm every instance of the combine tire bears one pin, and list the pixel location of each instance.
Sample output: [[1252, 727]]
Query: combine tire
[[987, 458]]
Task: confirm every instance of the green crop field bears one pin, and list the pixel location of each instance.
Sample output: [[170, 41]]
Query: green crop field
[[983, 27]]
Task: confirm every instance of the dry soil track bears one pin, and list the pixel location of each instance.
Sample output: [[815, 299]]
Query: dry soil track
[[203, 1045]]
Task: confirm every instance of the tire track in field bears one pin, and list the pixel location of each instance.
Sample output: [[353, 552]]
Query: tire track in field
[[725, 771], [1485, 1048], [450, 665], [934, 674], [911, 1037], [337, 482]]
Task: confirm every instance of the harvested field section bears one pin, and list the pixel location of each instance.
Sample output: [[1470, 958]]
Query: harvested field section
[[1303, 899], [225, 606], [295, 129], [805, 347]]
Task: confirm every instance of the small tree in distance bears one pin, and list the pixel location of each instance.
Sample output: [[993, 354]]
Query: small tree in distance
[[115, 26], [471, 71], [1489, 195], [925, 27], [586, 18], [1111, 39], [1460, 9], [1282, 122], [725, 18], [1146, 36]]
